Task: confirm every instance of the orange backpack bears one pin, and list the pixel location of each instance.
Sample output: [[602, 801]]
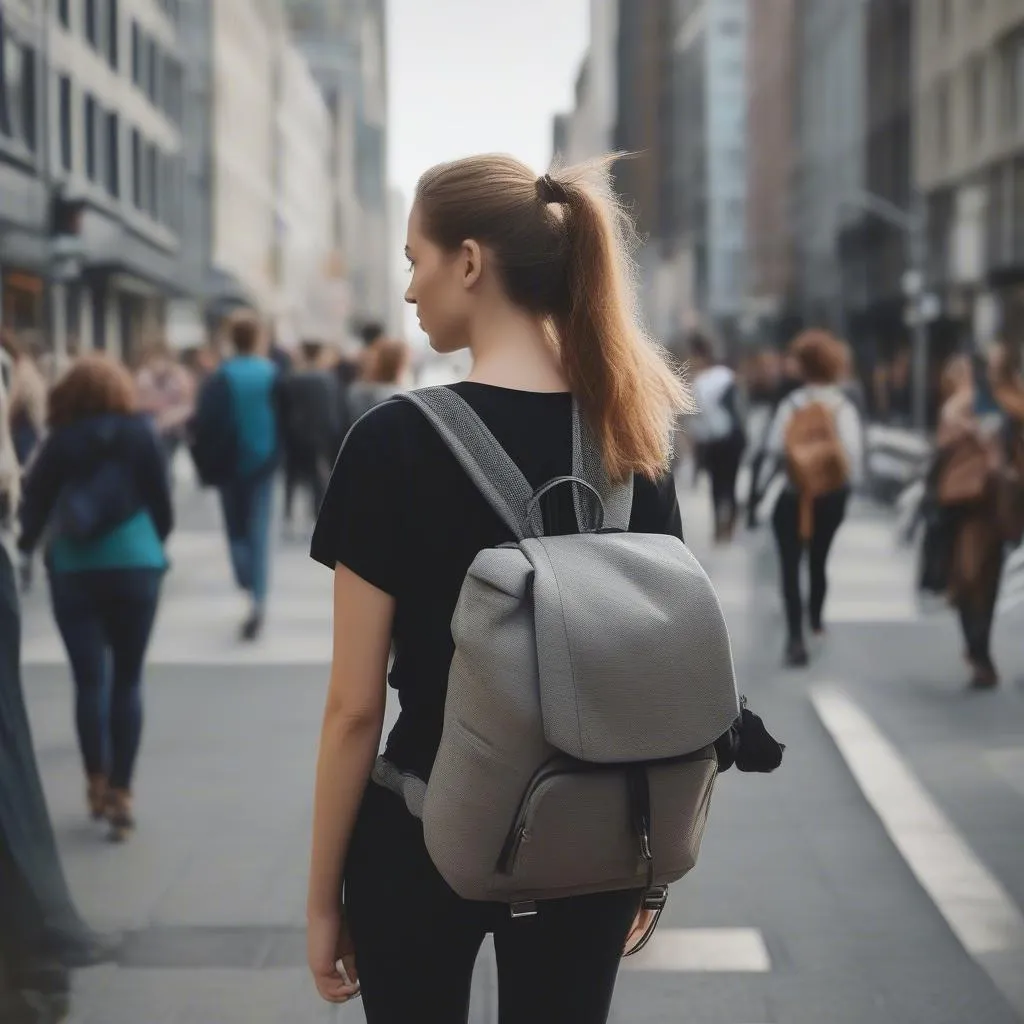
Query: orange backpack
[[815, 459]]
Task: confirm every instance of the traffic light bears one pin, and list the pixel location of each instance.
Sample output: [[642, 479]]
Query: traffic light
[[66, 215]]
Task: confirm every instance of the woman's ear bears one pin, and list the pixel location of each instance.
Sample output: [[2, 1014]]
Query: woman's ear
[[471, 263]]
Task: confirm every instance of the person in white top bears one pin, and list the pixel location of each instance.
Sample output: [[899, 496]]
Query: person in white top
[[717, 430], [821, 360]]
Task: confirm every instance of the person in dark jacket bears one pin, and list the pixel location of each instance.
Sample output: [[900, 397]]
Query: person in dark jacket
[[98, 489], [311, 427]]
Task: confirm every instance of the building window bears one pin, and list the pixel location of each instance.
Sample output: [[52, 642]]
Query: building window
[[977, 99], [64, 101], [113, 155], [172, 89], [136, 169], [152, 182], [945, 16], [152, 69], [64, 12], [92, 22], [136, 54], [90, 137], [942, 120], [113, 30], [1012, 82]]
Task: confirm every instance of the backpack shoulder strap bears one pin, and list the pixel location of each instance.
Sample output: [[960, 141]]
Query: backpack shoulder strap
[[477, 450], [501, 481]]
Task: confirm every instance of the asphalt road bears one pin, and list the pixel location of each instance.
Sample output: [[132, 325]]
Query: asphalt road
[[879, 876]]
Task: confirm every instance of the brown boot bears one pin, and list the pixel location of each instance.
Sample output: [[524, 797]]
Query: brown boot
[[96, 796], [119, 814]]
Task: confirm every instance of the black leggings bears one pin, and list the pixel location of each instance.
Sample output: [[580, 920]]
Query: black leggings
[[416, 941], [829, 512]]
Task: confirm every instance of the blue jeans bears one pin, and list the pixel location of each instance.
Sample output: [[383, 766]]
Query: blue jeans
[[105, 617], [247, 506]]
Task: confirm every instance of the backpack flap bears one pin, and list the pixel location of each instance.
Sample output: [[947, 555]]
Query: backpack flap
[[633, 651]]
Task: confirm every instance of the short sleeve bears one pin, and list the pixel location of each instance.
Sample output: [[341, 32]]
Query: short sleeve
[[656, 507], [360, 523]]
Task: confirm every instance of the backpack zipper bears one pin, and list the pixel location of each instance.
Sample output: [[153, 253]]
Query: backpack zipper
[[519, 832]]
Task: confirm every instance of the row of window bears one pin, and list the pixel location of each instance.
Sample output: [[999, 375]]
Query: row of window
[[158, 74], [17, 88], [994, 98], [155, 178]]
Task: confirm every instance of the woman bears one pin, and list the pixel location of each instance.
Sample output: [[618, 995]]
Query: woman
[[99, 488], [975, 446], [530, 276], [26, 400], [821, 361]]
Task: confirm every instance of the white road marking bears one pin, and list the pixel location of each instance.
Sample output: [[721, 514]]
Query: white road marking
[[739, 950], [977, 908]]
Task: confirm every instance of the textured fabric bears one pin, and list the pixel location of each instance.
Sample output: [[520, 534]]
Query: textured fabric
[[401, 513], [586, 651]]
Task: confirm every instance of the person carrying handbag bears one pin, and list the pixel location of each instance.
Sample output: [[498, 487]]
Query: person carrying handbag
[[978, 481]]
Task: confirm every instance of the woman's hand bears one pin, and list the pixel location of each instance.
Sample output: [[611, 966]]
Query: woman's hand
[[328, 947], [640, 925]]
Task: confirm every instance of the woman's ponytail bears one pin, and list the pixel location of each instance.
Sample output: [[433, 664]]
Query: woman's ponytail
[[628, 390]]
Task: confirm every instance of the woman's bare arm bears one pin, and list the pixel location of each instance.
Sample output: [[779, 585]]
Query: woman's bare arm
[[352, 724]]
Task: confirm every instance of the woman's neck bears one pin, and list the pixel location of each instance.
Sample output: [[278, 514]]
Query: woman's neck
[[515, 352]]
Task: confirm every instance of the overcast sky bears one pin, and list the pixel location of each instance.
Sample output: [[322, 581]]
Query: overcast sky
[[472, 76]]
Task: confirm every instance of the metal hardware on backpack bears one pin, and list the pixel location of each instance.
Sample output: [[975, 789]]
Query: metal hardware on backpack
[[592, 674]]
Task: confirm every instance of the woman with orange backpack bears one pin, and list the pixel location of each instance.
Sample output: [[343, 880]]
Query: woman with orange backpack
[[816, 437]]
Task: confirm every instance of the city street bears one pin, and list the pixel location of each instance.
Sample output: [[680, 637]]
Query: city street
[[878, 876]]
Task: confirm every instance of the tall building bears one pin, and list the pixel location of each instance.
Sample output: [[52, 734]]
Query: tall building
[[875, 252], [708, 184], [969, 158], [345, 45], [770, 156], [115, 102], [829, 174], [24, 191]]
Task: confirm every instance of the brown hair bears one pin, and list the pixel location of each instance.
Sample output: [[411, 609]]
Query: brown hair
[[820, 355], [94, 385], [388, 359], [561, 245], [245, 332]]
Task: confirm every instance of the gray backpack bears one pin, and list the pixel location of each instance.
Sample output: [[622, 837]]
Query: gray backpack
[[592, 674]]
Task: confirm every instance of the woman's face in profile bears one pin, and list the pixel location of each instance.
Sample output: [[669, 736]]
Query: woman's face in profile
[[436, 290]]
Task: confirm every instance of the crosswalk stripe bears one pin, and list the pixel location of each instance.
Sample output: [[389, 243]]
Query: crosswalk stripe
[[977, 908], [708, 950]]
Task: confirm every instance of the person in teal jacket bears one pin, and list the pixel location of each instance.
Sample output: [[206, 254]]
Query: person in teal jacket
[[252, 383], [98, 490]]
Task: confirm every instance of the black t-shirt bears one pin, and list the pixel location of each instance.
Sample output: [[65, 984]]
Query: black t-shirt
[[402, 513]]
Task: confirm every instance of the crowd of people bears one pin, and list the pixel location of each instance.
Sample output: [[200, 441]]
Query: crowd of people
[[797, 419]]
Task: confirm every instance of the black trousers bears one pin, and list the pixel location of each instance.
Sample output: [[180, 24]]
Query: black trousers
[[722, 461], [416, 941], [305, 468], [829, 512]]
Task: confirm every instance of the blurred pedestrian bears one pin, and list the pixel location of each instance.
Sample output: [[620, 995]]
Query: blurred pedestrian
[[166, 392], [98, 490], [311, 425], [499, 259], [816, 438], [26, 398], [384, 377], [235, 440], [978, 475], [717, 429]]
